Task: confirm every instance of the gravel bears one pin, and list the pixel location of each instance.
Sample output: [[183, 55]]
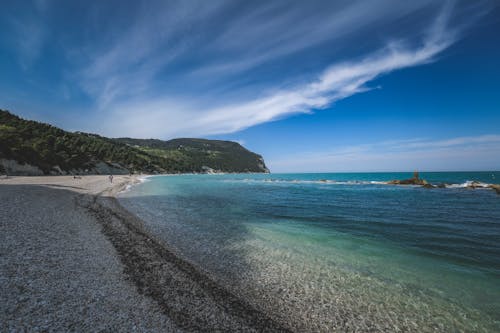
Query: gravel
[[58, 272], [73, 259]]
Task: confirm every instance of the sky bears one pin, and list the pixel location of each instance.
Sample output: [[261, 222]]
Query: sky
[[313, 86]]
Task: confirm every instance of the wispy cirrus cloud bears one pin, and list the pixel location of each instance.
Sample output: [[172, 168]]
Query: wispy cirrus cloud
[[175, 116], [466, 153], [127, 66], [29, 34], [195, 68], [199, 42]]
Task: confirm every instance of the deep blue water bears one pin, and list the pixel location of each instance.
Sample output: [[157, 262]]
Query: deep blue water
[[434, 252]]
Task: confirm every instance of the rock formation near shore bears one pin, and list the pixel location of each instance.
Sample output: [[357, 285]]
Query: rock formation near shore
[[415, 180], [496, 188]]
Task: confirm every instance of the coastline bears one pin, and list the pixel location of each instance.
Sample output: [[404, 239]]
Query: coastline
[[350, 282], [74, 258]]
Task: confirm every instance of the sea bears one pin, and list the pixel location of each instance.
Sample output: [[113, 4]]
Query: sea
[[339, 251]]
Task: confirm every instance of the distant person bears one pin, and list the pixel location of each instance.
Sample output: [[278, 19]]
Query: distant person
[[111, 178]]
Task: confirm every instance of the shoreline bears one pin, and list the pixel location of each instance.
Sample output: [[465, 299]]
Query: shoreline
[[318, 294], [180, 295], [118, 274]]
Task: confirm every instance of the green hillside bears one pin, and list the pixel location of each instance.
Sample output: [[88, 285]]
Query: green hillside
[[193, 154], [46, 149]]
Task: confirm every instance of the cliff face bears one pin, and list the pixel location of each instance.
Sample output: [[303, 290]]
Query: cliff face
[[33, 148]]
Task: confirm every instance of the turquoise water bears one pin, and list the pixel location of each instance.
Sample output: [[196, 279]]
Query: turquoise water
[[338, 251]]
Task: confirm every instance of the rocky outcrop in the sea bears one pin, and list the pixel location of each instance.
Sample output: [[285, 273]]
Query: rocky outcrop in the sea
[[496, 188], [415, 180], [475, 185]]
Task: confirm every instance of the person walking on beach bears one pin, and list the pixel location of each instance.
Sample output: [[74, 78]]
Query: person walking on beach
[[111, 178]]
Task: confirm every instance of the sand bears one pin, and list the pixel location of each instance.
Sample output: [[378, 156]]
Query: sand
[[73, 259]]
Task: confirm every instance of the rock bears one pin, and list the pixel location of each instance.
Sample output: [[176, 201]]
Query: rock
[[14, 168], [427, 185], [104, 168], [56, 170], [496, 188], [407, 182], [208, 170], [474, 184], [261, 165], [415, 180]]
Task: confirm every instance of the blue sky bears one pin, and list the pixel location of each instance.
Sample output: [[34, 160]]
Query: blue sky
[[311, 85]]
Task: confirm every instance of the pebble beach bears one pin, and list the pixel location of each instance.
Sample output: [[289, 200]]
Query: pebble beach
[[73, 259]]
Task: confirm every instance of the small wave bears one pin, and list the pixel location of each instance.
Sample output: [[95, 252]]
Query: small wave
[[468, 184], [144, 179], [317, 181], [126, 189], [140, 180]]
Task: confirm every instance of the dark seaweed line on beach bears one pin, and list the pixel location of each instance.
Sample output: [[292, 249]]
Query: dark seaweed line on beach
[[185, 294]]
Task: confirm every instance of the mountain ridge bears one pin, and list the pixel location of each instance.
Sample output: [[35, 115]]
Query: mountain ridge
[[29, 147]]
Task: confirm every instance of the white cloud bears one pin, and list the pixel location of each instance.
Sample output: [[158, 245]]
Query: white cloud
[[28, 31], [295, 28], [462, 153], [29, 38], [169, 117], [155, 36]]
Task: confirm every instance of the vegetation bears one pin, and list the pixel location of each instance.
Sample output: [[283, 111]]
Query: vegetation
[[50, 149], [193, 154]]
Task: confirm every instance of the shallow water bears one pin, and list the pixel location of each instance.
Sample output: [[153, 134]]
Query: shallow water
[[339, 250]]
